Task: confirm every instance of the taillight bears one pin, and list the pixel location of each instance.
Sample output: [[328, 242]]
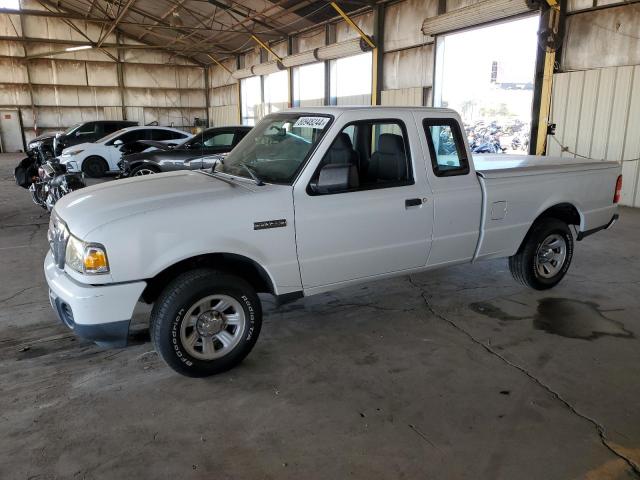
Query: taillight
[[618, 193]]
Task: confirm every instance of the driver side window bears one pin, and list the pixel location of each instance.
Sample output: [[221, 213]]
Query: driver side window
[[363, 156]]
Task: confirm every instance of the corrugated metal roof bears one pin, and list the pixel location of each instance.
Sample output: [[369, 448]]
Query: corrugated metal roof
[[199, 28]]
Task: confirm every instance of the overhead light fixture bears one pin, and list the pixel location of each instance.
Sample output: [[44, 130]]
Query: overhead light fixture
[[79, 47]]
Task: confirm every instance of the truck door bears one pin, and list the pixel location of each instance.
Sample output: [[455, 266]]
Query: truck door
[[457, 197], [379, 219]]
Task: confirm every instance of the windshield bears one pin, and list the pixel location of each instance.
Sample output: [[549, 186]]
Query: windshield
[[71, 128], [277, 147]]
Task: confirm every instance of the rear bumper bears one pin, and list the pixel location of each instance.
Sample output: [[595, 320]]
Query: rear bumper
[[101, 313], [610, 223]]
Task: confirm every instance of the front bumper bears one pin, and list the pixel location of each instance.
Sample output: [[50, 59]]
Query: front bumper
[[101, 313], [72, 165]]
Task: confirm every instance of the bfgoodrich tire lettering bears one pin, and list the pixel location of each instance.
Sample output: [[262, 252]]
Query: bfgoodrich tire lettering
[[549, 240], [194, 338]]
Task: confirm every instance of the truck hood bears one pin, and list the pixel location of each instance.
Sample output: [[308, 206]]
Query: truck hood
[[92, 207]]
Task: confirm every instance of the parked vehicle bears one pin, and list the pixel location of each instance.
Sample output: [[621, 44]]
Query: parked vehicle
[[87, 132], [310, 201], [42, 146], [191, 154], [47, 181], [96, 159]]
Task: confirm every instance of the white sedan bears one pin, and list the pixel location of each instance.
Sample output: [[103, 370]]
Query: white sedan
[[96, 159]]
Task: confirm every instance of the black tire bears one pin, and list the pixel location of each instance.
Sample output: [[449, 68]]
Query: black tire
[[95, 166], [524, 264], [142, 168], [172, 306]]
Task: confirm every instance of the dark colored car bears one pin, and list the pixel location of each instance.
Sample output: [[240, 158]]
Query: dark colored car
[[187, 155], [87, 132]]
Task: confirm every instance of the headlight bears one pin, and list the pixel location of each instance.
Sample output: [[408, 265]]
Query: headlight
[[86, 257], [74, 152], [35, 144]]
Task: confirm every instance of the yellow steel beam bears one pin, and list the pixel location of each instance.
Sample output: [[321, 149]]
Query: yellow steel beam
[[545, 100], [352, 24], [266, 47], [218, 63], [374, 77]]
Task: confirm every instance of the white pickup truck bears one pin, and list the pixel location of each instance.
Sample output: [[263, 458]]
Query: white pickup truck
[[309, 201]]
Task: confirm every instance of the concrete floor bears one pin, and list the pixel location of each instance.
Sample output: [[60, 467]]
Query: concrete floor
[[454, 374]]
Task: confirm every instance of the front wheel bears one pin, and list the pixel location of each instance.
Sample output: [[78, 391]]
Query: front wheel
[[95, 166], [143, 170], [205, 322], [545, 255]]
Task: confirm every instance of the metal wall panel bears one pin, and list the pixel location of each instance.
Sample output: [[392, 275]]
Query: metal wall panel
[[224, 115], [602, 38], [412, 67], [597, 113], [12, 71], [219, 77], [403, 97], [403, 22], [345, 32]]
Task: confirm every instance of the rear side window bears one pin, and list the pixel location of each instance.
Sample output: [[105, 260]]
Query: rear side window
[[446, 147], [134, 135], [165, 135], [110, 128]]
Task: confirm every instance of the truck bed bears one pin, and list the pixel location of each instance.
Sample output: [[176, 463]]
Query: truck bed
[[516, 189], [501, 165]]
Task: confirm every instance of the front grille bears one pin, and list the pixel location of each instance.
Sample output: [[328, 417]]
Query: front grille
[[58, 236]]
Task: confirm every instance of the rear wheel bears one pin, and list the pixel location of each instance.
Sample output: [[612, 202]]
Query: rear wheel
[[95, 166], [143, 170], [205, 322], [545, 255]]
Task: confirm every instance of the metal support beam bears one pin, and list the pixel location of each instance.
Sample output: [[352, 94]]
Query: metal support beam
[[120, 75], [218, 63], [34, 110], [554, 15], [207, 94], [266, 47], [113, 26], [377, 54], [290, 71], [231, 9], [352, 24]]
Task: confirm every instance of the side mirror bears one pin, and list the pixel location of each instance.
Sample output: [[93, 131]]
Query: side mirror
[[118, 142], [77, 133], [333, 178]]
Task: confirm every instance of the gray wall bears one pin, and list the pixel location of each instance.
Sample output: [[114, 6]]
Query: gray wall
[[58, 91]]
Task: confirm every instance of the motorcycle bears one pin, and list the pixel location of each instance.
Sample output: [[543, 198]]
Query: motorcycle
[[47, 182]]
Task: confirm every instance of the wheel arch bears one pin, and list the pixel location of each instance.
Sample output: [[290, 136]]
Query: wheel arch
[[233, 263], [565, 211]]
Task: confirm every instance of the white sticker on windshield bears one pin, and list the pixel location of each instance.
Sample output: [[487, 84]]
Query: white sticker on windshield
[[311, 122]]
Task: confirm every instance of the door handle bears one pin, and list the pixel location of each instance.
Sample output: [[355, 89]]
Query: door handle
[[412, 202]]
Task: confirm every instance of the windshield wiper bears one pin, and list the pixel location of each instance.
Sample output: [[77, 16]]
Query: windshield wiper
[[252, 173]]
